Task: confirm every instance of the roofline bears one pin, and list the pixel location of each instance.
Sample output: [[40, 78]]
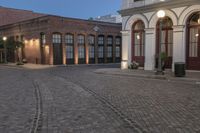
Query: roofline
[[24, 21], [85, 20], [46, 16]]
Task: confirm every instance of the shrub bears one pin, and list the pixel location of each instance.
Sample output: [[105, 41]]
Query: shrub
[[134, 65]]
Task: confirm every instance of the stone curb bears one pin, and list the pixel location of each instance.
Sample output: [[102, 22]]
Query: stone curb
[[158, 77]]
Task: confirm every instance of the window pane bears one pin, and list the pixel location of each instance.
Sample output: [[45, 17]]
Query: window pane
[[81, 39], [117, 50], [110, 40], [43, 38], [69, 39], [109, 51], [101, 40], [70, 52], [56, 38], [100, 52], [193, 48], [91, 52], [118, 41], [81, 52]]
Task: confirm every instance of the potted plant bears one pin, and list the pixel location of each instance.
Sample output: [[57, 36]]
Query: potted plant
[[134, 65]]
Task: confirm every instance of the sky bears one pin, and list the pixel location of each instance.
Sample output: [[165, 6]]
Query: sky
[[83, 9]]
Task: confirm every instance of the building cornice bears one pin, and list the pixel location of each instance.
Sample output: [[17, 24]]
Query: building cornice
[[157, 6]]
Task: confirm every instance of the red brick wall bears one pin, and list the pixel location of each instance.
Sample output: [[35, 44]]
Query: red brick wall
[[9, 15]]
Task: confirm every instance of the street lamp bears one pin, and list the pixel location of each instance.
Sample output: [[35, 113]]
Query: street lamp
[[160, 15], [5, 49]]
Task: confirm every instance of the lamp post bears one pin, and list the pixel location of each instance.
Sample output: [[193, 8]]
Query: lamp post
[[5, 49], [160, 15]]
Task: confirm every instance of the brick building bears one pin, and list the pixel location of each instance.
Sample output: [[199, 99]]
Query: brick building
[[56, 40]]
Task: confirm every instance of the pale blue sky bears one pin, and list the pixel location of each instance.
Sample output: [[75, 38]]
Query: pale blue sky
[[69, 8]]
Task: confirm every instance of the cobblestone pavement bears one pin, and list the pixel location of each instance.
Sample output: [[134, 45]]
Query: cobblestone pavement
[[154, 106], [77, 100], [17, 101]]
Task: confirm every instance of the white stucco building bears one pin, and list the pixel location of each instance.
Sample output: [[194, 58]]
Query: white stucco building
[[180, 32]]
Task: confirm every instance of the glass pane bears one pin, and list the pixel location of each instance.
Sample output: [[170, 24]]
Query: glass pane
[[81, 52], [118, 41], [100, 40], [139, 26], [91, 52], [193, 48], [100, 52], [81, 39], [195, 19], [137, 38], [69, 52], [117, 50], [109, 52], [170, 43], [110, 41], [69, 39]]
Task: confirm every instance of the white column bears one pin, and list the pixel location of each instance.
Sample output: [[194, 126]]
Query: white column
[[125, 49], [178, 45], [150, 47]]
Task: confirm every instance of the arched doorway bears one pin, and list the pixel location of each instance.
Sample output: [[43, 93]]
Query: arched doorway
[[193, 42], [166, 42], [138, 34]]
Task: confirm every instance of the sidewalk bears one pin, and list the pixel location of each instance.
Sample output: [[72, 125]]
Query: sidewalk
[[191, 76], [27, 66]]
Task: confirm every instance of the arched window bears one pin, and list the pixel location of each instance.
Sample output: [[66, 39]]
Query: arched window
[[138, 42], [91, 42], [69, 41], [101, 49], [193, 45], [167, 40], [81, 49]]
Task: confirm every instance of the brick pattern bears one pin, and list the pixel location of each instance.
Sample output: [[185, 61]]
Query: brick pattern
[[10, 16], [31, 30]]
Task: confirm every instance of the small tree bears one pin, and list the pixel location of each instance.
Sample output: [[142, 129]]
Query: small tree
[[16, 46]]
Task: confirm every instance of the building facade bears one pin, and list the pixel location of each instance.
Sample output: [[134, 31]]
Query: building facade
[[180, 32], [59, 40], [112, 18]]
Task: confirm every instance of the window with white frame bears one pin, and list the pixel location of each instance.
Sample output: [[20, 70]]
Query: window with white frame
[[56, 38], [100, 40], [81, 39], [69, 39]]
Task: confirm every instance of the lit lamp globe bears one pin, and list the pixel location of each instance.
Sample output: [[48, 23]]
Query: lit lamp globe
[[161, 14], [4, 38]]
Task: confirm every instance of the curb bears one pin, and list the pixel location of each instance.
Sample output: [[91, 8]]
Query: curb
[[157, 77]]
